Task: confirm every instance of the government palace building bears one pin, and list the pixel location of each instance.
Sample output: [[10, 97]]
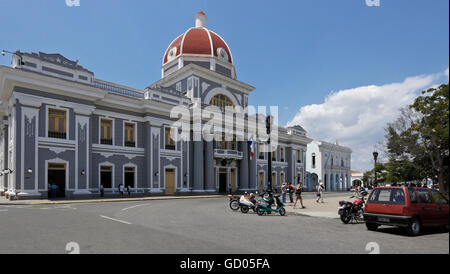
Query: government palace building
[[62, 126]]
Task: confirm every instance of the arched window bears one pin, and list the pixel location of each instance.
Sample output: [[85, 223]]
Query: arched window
[[221, 101]]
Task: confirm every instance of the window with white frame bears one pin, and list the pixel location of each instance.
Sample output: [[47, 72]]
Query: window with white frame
[[130, 134], [106, 132], [57, 123], [169, 139]]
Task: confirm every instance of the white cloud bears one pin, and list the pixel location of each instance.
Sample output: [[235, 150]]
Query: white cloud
[[357, 117]]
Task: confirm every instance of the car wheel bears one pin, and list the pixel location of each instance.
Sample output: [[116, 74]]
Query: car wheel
[[371, 227], [414, 227]]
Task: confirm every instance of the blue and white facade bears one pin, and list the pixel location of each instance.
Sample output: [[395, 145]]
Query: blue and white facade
[[61, 125], [330, 164]]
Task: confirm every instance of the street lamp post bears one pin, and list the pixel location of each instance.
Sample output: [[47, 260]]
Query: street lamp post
[[375, 157], [269, 171]]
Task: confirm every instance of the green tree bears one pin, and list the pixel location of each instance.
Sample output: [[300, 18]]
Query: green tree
[[417, 142], [432, 129]]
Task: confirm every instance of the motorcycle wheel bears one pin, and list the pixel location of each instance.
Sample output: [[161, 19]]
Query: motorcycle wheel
[[282, 211], [234, 205], [244, 209], [260, 211], [346, 218]]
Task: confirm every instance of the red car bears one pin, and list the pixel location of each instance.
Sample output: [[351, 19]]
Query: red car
[[410, 207]]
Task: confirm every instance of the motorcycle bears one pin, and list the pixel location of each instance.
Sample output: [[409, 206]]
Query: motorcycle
[[264, 205], [352, 211], [248, 202], [234, 202]]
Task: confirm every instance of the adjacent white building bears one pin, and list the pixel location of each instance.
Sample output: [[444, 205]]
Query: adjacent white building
[[328, 163]]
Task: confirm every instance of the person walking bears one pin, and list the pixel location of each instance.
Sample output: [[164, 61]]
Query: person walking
[[320, 188], [298, 194], [102, 191], [121, 189], [283, 192], [291, 190], [129, 190]]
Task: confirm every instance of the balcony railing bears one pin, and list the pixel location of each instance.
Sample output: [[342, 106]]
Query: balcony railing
[[225, 153], [106, 142], [130, 144], [57, 135], [170, 147]]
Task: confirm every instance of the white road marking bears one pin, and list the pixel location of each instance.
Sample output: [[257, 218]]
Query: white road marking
[[3, 210], [134, 207], [116, 220]]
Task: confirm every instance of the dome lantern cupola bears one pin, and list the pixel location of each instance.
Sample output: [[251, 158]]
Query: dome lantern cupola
[[200, 20], [200, 46]]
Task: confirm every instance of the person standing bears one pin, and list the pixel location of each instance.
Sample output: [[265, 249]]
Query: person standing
[[283, 192], [320, 192], [54, 188], [298, 194], [102, 191], [291, 192]]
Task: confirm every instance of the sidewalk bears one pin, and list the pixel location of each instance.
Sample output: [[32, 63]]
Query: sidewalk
[[4, 201], [328, 209]]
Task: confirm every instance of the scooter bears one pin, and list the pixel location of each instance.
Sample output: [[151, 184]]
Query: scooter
[[264, 206], [247, 202], [352, 211]]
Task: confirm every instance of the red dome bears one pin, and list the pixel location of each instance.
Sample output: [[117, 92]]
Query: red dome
[[198, 41]]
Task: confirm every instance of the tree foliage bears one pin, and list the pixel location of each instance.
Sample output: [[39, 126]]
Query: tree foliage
[[417, 142]]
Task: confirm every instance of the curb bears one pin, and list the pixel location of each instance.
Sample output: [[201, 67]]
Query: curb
[[118, 200], [308, 215]]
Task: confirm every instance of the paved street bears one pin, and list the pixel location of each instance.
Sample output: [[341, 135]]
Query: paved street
[[194, 226]]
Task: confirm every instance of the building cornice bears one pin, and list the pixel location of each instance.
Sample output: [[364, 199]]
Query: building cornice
[[193, 69]]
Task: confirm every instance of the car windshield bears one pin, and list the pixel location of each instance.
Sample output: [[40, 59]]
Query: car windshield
[[388, 196]]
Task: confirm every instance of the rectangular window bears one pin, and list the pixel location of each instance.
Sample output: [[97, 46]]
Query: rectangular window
[[424, 196], [170, 142], [439, 198], [299, 156], [412, 195], [130, 140], [106, 132], [234, 143], [388, 196], [274, 155], [57, 124], [282, 154], [261, 151]]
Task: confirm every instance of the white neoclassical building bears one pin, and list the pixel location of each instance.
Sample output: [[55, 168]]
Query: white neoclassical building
[[328, 163]]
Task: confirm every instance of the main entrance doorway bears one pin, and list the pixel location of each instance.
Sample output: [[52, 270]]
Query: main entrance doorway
[[56, 178], [261, 181], [170, 181], [223, 176], [129, 176]]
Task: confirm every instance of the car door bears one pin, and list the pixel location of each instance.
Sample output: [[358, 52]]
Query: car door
[[415, 208], [427, 207], [441, 207]]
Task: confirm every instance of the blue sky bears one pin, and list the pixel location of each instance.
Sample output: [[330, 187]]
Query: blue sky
[[296, 53]]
